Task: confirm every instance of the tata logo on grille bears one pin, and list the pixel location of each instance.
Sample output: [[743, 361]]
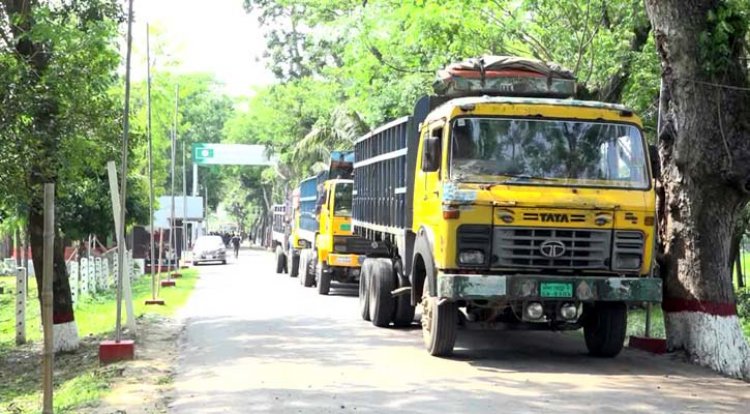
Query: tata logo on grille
[[554, 217], [552, 248]]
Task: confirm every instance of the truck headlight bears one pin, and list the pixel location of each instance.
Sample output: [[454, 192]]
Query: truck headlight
[[627, 261], [474, 257]]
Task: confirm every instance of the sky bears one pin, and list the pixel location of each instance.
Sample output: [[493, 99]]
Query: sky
[[213, 36]]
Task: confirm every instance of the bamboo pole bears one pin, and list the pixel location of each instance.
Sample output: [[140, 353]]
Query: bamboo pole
[[150, 165], [47, 295], [121, 246], [161, 252]]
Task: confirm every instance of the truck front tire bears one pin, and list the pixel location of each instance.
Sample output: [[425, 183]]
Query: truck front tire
[[364, 293], [307, 273], [439, 324], [605, 328], [323, 279], [280, 260], [382, 303], [294, 267]]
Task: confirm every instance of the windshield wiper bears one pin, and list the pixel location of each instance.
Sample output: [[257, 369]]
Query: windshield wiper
[[517, 177]]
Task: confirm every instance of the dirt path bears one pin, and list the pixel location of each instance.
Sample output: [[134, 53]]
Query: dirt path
[[144, 385]]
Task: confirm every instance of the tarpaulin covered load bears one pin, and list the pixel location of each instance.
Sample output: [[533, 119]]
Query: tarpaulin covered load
[[505, 75]]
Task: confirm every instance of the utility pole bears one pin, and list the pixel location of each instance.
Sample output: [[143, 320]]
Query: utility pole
[[172, 238], [150, 166], [184, 197]]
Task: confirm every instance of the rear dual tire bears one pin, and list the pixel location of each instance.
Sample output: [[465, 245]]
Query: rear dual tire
[[376, 302], [381, 303]]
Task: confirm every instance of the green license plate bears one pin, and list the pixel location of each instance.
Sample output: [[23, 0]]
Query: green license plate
[[556, 290]]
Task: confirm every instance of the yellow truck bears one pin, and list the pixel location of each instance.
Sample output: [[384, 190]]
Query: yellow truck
[[505, 204], [330, 253]]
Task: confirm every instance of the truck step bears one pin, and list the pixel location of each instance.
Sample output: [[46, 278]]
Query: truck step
[[401, 291]]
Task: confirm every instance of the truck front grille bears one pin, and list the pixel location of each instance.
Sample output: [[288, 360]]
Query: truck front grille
[[571, 248], [355, 245]]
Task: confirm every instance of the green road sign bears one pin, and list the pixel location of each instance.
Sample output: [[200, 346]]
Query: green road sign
[[230, 154]]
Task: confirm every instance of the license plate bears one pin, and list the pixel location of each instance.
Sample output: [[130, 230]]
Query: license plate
[[556, 290], [210, 257]]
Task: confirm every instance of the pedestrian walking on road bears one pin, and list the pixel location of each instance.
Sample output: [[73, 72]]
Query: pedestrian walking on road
[[236, 245]]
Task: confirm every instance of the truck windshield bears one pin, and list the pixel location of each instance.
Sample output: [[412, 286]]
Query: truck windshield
[[548, 152], [342, 201]]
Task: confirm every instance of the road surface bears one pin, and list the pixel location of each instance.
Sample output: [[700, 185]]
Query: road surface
[[258, 342]]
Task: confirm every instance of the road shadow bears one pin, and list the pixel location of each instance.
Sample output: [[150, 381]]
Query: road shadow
[[283, 349]]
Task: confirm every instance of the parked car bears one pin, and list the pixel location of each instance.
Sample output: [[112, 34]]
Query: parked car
[[209, 249]]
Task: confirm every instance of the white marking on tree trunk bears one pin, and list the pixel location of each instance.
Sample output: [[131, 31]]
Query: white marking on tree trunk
[[65, 336], [709, 340]]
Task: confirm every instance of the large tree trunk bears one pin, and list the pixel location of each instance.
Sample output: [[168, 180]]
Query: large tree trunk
[[65, 331], [704, 147], [43, 169]]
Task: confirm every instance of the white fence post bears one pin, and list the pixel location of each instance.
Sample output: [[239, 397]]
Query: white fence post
[[92, 276], [20, 306], [99, 274], [83, 277], [105, 273], [115, 268], [73, 280]]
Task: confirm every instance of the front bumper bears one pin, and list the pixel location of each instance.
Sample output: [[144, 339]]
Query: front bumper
[[528, 287], [345, 260]]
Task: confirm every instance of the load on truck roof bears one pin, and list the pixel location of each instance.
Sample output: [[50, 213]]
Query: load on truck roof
[[506, 76]]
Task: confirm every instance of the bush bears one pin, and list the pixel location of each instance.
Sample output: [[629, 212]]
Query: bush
[[743, 303]]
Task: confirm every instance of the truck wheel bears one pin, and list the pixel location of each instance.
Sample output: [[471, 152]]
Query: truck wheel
[[381, 285], [294, 268], [605, 328], [308, 275], [323, 279], [280, 260], [302, 266], [439, 324], [404, 312], [364, 294]]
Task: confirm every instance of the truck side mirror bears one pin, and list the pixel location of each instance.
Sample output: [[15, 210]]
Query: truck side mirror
[[653, 155], [432, 152]]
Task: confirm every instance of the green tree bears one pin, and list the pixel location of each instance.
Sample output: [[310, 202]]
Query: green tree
[[57, 65]]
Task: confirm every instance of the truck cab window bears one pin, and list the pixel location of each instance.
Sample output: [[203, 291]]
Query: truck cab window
[[431, 150]]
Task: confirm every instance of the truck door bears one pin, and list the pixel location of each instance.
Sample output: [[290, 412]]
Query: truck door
[[427, 191]]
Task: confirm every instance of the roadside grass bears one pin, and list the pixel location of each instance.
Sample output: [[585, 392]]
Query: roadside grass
[[637, 322], [79, 380]]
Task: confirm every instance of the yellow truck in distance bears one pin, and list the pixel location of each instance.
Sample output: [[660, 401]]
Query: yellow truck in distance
[[503, 204], [330, 253]]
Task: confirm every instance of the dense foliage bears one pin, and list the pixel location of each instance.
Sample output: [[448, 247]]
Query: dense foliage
[[345, 66]]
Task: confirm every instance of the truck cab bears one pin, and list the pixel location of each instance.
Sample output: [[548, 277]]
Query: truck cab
[[279, 236]]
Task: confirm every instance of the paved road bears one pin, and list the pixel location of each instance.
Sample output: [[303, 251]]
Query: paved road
[[259, 342]]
